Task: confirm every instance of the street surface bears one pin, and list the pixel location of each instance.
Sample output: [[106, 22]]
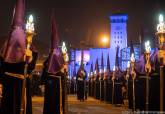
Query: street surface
[[91, 106]]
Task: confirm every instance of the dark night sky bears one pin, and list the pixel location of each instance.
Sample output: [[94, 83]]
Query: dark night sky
[[81, 19]]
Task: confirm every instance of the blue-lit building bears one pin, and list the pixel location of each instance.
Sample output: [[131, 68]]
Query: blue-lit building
[[118, 37]]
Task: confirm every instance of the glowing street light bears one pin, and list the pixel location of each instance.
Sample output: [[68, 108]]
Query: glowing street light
[[104, 40]]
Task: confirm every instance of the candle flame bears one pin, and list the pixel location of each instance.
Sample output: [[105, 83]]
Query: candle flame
[[30, 24], [114, 68], [128, 64], [147, 47], [132, 57], [160, 18]]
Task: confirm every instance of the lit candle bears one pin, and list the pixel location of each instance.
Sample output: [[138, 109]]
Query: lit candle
[[30, 24], [105, 70], [128, 64], [88, 74], [91, 73], [114, 68], [161, 25], [95, 72], [132, 57], [100, 71], [64, 51], [147, 47], [160, 18]]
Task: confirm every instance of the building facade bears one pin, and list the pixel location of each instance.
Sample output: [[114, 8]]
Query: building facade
[[118, 37]]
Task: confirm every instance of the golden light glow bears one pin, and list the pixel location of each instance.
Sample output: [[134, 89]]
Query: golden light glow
[[161, 25], [30, 24], [64, 51], [114, 68], [160, 18], [132, 57], [128, 64], [147, 47], [104, 39]]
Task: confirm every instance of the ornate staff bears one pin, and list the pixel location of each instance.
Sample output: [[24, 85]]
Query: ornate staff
[[28, 57], [127, 76], [147, 70], [161, 42], [100, 82], [113, 84], [66, 59], [133, 73], [105, 73]]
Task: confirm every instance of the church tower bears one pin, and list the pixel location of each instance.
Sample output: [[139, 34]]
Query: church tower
[[118, 35]]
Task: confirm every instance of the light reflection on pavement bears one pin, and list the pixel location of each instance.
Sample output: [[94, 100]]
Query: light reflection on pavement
[[91, 106]]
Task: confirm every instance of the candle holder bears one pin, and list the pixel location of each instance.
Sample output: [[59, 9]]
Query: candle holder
[[147, 70], [133, 74], [127, 77], [113, 83], [161, 55], [28, 57]]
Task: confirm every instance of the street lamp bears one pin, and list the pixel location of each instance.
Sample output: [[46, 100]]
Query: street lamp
[[104, 40], [147, 70], [161, 55]]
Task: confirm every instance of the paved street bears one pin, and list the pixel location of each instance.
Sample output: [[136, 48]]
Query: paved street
[[91, 106]]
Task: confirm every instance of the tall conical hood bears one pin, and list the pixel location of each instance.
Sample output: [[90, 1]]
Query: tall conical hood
[[54, 33], [82, 59], [97, 67], [108, 64], [14, 48], [18, 19], [117, 58], [91, 68], [131, 48], [102, 62], [55, 58]]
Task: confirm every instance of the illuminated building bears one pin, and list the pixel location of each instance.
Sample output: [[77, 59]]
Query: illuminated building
[[118, 37]]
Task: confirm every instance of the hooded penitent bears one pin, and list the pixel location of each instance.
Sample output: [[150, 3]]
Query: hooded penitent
[[131, 49], [117, 58], [81, 71], [91, 68], [102, 63], [55, 59], [14, 48], [97, 68]]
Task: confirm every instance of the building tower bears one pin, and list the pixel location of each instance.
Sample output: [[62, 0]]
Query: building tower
[[118, 35]]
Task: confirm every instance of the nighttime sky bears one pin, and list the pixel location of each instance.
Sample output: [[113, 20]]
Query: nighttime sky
[[84, 19]]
